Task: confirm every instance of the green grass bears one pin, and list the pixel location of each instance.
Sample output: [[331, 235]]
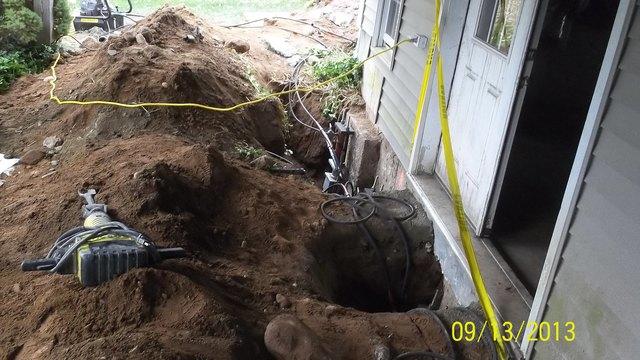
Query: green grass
[[223, 11]]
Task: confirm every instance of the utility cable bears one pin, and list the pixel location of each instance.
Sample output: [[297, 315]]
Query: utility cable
[[357, 204], [290, 19]]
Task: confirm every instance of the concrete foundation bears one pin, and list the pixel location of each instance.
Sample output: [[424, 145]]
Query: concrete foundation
[[364, 150], [370, 158]]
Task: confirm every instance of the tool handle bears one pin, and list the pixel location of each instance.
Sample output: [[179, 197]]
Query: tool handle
[[38, 265], [172, 253]]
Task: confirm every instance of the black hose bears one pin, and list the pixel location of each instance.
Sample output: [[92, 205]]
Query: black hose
[[292, 19], [357, 203], [405, 241]]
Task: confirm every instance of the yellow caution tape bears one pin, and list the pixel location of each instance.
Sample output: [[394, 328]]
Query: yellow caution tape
[[426, 76], [318, 86], [450, 165]]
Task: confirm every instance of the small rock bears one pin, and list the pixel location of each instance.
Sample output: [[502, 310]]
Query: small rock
[[240, 46], [381, 352], [90, 43], [51, 142], [165, 85], [151, 51], [243, 244], [17, 288], [112, 51], [129, 36], [283, 301], [32, 157], [189, 38], [55, 162], [287, 338], [147, 33], [97, 31], [330, 310], [48, 79], [141, 40]]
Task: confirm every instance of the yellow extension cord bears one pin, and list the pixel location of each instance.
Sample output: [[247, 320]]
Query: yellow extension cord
[[320, 85], [446, 143], [465, 235]]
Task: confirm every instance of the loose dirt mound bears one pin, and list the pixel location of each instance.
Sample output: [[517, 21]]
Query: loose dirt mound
[[152, 62], [238, 224]]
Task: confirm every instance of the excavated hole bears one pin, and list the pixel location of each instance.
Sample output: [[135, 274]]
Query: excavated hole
[[348, 272]]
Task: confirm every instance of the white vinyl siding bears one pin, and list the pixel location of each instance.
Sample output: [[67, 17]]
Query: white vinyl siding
[[399, 95], [596, 284]]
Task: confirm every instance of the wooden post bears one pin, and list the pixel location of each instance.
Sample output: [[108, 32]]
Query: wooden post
[[44, 9]]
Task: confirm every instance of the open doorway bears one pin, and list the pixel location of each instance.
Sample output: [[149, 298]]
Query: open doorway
[[565, 69]]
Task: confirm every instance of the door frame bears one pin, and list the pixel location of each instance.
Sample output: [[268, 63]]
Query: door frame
[[427, 142], [581, 162], [528, 7], [514, 117]]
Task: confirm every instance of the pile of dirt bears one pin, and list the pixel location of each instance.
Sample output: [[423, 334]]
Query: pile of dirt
[[152, 62], [258, 245]]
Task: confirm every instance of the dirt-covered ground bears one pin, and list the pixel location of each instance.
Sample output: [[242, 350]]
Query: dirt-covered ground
[[267, 277]]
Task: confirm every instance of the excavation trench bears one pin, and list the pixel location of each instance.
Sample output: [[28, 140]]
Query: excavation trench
[[368, 274]]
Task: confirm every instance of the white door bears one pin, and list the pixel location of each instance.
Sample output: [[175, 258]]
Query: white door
[[492, 52]]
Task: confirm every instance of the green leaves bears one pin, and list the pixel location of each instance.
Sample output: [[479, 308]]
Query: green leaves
[[331, 65], [335, 64], [61, 18], [29, 60], [19, 26]]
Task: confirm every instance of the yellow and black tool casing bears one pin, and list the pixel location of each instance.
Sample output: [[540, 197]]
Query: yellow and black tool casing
[[106, 257]]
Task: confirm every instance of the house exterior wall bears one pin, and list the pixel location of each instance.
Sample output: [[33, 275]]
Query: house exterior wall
[[391, 82], [596, 284]]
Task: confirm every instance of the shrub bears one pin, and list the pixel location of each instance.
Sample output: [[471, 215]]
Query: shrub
[[28, 60], [19, 26], [331, 65], [61, 18], [335, 64]]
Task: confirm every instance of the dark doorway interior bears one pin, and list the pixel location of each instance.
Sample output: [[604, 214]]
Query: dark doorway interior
[[565, 70]]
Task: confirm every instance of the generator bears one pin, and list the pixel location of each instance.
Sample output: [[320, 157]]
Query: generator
[[98, 13]]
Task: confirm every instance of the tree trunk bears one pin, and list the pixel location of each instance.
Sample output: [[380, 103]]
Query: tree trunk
[[44, 9]]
